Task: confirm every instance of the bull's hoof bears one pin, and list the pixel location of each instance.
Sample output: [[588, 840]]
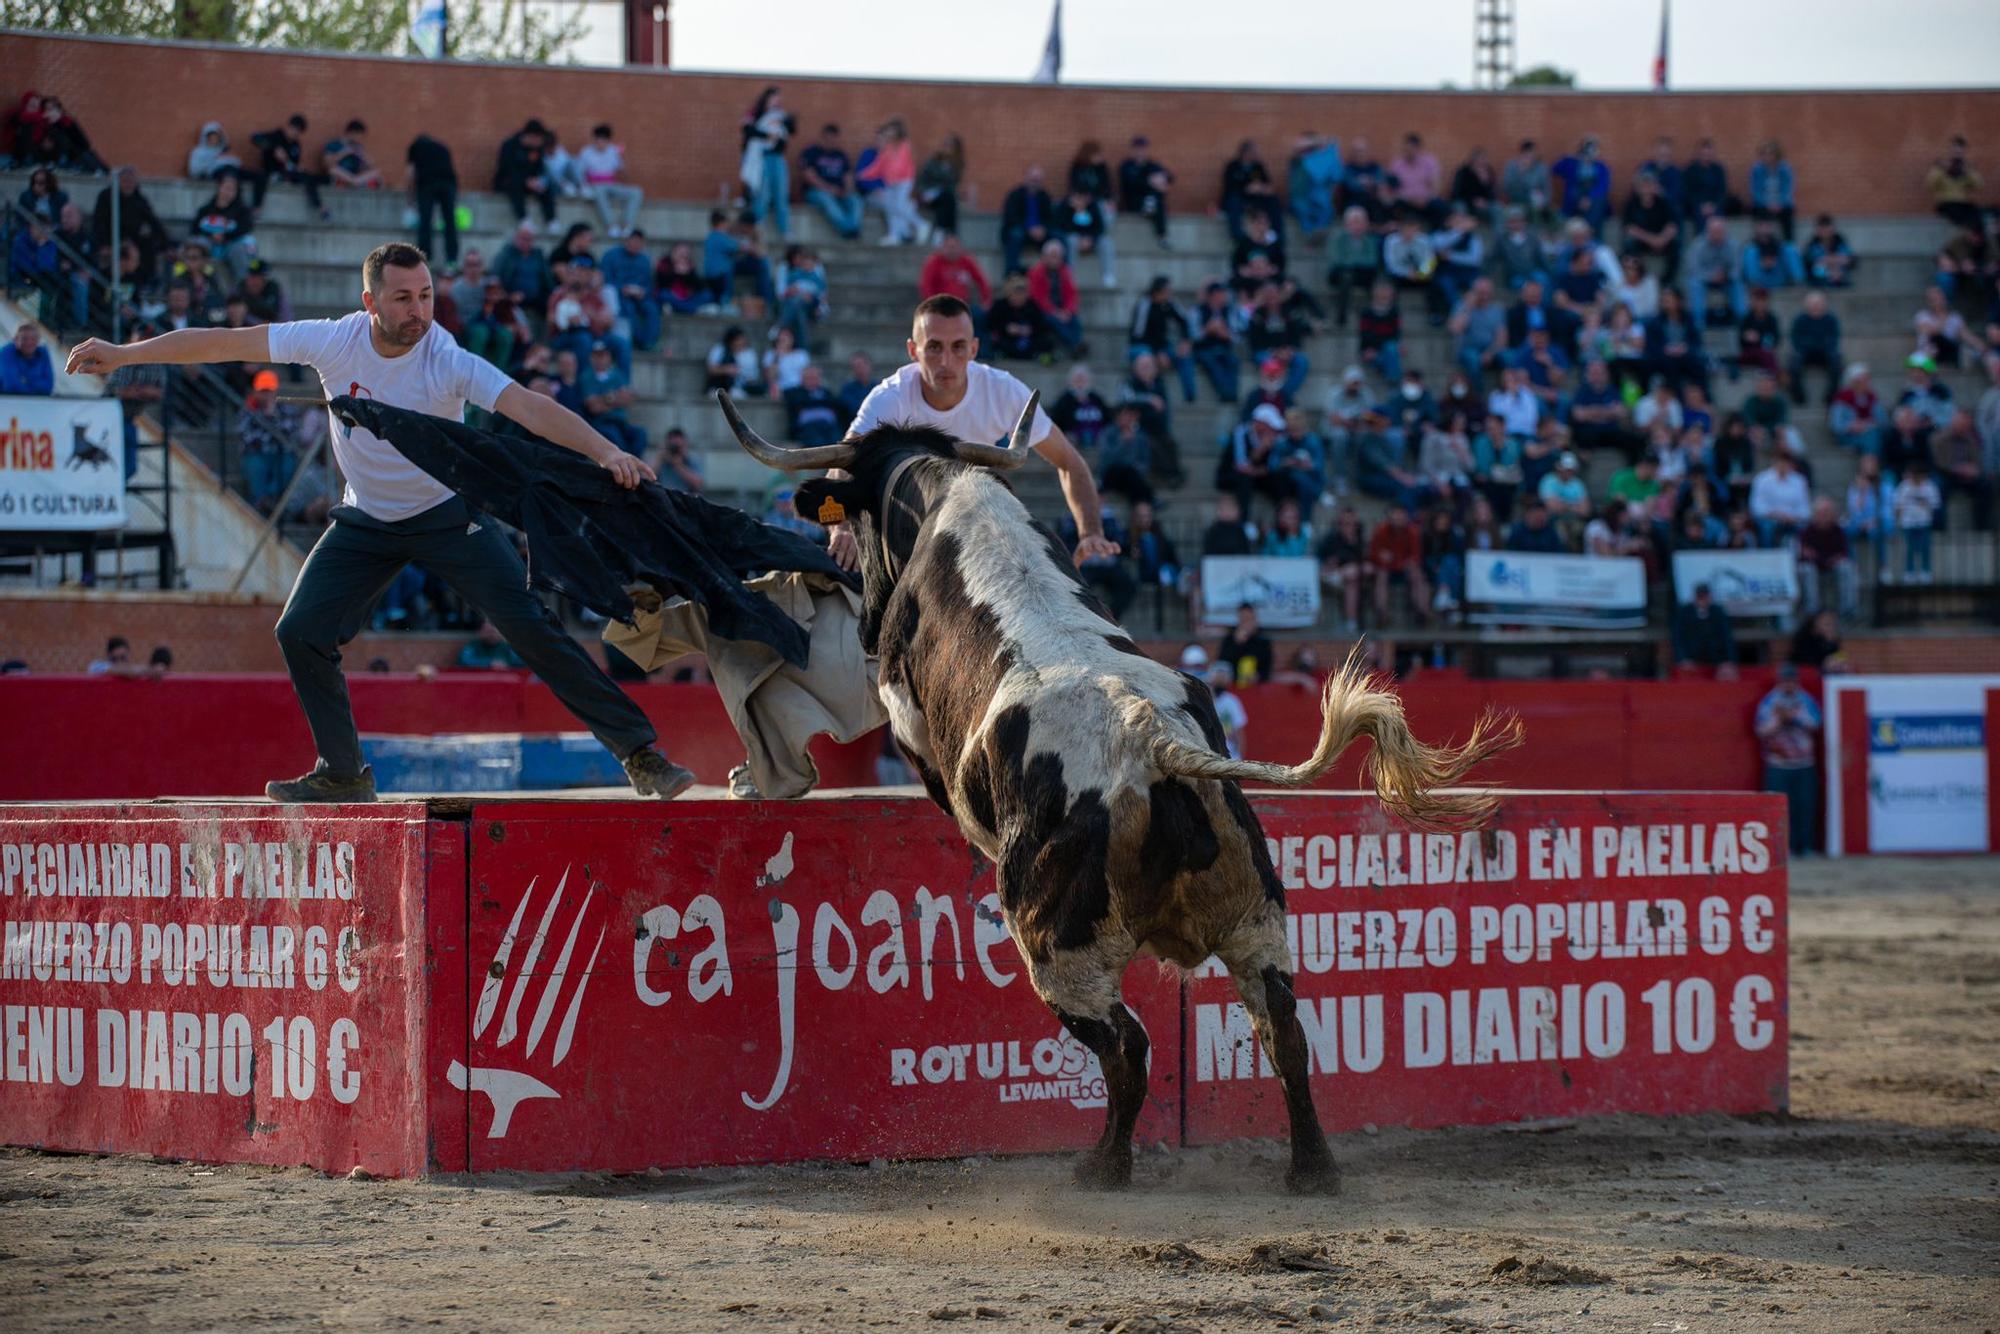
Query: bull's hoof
[[1313, 1176], [1099, 1170]]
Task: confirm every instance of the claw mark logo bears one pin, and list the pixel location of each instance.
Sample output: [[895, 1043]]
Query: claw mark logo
[[507, 1089]]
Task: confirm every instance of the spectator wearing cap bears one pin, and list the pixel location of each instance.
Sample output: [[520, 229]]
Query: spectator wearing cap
[[1270, 390], [1787, 726], [1565, 494], [1143, 183], [628, 273], [1250, 465], [1925, 392], [1829, 260], [1702, 635], [1825, 556], [1815, 342], [269, 434], [1161, 327]]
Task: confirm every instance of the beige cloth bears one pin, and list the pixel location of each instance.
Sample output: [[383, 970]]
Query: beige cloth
[[777, 708]]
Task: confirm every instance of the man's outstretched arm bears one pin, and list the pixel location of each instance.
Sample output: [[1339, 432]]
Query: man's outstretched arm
[[1080, 490], [182, 347], [559, 426]]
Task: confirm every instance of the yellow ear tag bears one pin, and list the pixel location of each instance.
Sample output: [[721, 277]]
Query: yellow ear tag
[[832, 511]]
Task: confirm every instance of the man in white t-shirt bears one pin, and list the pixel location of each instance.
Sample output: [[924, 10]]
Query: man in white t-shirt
[[394, 513], [946, 388], [602, 163]]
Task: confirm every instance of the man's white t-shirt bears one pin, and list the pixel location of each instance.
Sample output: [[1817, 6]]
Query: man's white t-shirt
[[1233, 717], [985, 416], [436, 376]]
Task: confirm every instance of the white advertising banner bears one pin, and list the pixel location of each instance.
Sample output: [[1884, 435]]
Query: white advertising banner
[[1283, 589], [1926, 785], [1746, 583], [62, 464], [1535, 588]]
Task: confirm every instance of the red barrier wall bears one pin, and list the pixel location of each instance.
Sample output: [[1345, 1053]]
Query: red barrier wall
[[546, 985], [230, 983], [84, 738], [95, 738]]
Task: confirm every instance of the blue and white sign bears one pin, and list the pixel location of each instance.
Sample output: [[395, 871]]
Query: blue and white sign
[[1926, 763], [1283, 589], [1746, 583], [1533, 588]]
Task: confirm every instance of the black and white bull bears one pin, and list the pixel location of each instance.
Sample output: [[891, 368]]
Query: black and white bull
[[1096, 779]]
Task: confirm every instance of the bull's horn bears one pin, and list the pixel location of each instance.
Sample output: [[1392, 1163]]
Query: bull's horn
[[777, 456], [1016, 451]]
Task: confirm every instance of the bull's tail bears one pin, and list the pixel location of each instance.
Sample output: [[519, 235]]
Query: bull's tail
[[1407, 774]]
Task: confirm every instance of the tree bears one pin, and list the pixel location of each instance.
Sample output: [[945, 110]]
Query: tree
[[1543, 76], [480, 29]]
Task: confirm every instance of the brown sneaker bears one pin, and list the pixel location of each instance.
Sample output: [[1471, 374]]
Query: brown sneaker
[[324, 785], [654, 775]]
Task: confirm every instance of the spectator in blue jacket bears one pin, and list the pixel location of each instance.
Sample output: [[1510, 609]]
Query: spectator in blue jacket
[[1829, 260], [1661, 168], [25, 365], [628, 271], [1769, 260], [1586, 184], [1705, 186], [1771, 186]]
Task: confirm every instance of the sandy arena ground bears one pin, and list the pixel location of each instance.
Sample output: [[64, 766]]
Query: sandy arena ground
[[1877, 1206]]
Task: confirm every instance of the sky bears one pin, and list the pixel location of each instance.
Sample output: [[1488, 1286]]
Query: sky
[[1608, 44]]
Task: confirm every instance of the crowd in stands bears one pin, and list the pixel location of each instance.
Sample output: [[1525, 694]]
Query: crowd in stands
[[1584, 319]]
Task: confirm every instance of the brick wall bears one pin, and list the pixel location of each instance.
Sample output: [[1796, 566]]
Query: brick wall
[[1854, 152]]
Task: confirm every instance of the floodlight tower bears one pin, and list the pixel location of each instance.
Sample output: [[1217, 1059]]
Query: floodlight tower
[[1492, 43]]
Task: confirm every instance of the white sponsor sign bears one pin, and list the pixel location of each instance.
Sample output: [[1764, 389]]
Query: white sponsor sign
[[1540, 589], [1283, 589], [1925, 752], [62, 464], [1746, 583]]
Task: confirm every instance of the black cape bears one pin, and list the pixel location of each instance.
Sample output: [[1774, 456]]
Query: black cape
[[588, 537]]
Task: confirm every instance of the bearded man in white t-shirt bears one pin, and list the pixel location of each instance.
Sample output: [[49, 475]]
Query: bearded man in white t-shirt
[[945, 387], [394, 513]]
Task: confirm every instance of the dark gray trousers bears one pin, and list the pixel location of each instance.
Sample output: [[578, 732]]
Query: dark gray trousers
[[354, 560]]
